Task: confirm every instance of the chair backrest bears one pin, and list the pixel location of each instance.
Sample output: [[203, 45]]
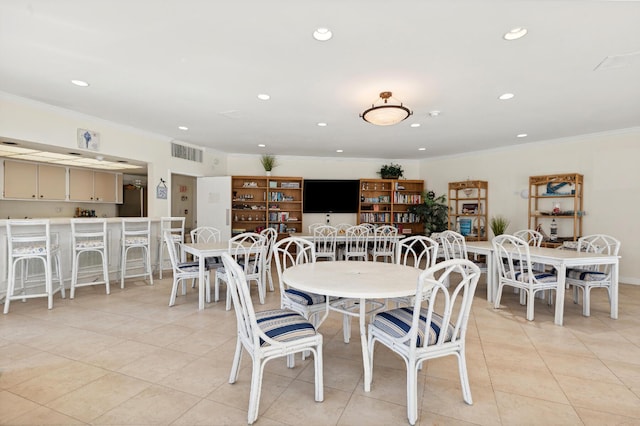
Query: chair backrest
[[292, 251], [29, 236], [205, 234], [599, 243], [136, 227], [175, 225], [271, 236], [248, 330], [531, 236], [385, 239], [371, 226], [248, 249], [447, 311], [418, 251], [513, 259], [453, 245], [171, 248], [314, 226], [324, 238], [89, 233], [357, 238], [342, 227]]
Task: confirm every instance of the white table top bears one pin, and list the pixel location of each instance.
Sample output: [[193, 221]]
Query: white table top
[[362, 280], [206, 249]]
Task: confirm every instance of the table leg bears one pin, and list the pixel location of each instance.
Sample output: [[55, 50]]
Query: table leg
[[365, 347], [491, 279], [614, 290], [561, 270], [201, 286]]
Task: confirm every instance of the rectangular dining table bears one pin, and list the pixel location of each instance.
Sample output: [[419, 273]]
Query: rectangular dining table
[[560, 260], [355, 280], [202, 251]]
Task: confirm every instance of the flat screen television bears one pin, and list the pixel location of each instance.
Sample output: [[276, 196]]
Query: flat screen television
[[331, 196]]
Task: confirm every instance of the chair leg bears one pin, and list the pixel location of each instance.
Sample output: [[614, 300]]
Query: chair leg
[[530, 304], [174, 290], [412, 392], [11, 284], [496, 303], [464, 378], [346, 327], [254, 394], [149, 264], [105, 270], [317, 358], [237, 359], [74, 274], [586, 301], [59, 273], [123, 265]]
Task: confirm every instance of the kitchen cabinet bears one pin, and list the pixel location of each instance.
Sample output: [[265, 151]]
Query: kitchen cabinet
[[90, 185], [32, 181]]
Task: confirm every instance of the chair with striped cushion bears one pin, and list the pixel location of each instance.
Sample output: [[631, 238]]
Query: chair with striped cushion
[[271, 236], [384, 243], [267, 335], [287, 253], [435, 326], [596, 276], [356, 245], [207, 234], [181, 270], [516, 270], [418, 251], [324, 238]]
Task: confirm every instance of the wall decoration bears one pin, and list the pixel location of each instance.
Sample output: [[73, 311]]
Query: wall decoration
[[88, 139], [161, 190]]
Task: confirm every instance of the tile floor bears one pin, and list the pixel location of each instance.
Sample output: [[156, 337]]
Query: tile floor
[[129, 359]]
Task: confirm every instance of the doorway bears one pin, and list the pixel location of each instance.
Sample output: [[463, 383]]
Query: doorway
[[183, 200]]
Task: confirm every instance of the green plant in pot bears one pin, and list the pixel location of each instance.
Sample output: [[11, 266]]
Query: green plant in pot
[[391, 171], [499, 225], [268, 161], [433, 212]]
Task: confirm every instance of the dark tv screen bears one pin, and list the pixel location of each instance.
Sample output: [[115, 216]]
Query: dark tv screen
[[331, 196]]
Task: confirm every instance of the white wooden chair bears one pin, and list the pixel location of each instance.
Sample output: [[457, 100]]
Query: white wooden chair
[[271, 236], [181, 270], [289, 252], [89, 236], [29, 240], [314, 226], [267, 335], [531, 236], [207, 234], [384, 243], [175, 226], [136, 234], [357, 238], [247, 249], [589, 277], [324, 239], [419, 333], [516, 270]]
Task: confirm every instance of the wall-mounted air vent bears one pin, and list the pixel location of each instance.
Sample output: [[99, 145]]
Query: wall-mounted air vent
[[186, 152]]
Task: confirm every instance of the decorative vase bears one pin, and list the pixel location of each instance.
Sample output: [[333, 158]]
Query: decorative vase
[[268, 172]]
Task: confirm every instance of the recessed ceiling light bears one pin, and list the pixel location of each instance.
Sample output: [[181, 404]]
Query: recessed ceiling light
[[80, 83], [183, 128], [322, 34], [339, 150], [322, 124], [422, 149], [515, 33], [415, 125], [506, 96], [261, 145], [522, 135], [264, 97], [434, 113]]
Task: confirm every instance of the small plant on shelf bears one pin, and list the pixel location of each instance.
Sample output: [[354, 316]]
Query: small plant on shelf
[[391, 171], [268, 161], [499, 225], [433, 212]]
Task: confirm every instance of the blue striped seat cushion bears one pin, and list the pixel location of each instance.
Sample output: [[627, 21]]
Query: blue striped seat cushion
[[397, 323], [284, 325], [543, 277], [188, 266], [304, 298], [584, 275]]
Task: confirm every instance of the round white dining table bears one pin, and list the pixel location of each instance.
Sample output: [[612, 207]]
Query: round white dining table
[[357, 280]]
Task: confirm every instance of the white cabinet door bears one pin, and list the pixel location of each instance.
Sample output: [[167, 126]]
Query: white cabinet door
[[214, 204]]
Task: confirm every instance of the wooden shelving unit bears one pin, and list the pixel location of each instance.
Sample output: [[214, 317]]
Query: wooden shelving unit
[[386, 201], [558, 197], [258, 202], [468, 209]]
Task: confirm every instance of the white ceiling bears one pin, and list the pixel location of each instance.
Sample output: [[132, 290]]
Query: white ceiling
[[157, 65]]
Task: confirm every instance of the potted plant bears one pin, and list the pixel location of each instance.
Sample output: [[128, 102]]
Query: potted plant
[[499, 225], [433, 212], [268, 161], [391, 171]]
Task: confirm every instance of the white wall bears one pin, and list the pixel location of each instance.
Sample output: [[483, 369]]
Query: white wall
[[609, 163], [40, 123]]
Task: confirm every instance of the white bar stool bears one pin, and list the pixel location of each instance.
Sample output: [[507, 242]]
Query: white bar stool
[[136, 233], [27, 240], [89, 236], [175, 226]]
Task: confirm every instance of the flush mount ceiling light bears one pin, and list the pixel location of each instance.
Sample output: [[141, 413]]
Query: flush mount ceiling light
[[185, 128], [80, 83], [386, 114], [506, 96], [415, 125], [322, 34], [522, 135], [321, 124], [515, 33], [264, 97]]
